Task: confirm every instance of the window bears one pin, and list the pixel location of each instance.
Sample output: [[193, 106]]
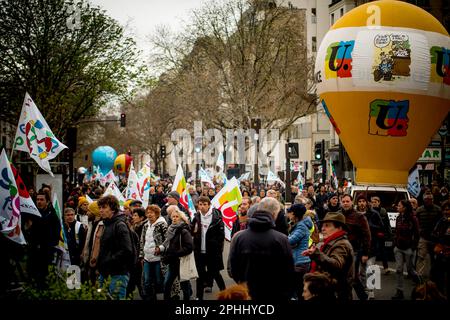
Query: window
[[314, 44], [332, 18], [313, 15], [342, 12]]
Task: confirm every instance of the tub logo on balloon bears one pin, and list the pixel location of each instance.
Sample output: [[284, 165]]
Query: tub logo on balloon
[[392, 57], [388, 118], [338, 62], [440, 65]]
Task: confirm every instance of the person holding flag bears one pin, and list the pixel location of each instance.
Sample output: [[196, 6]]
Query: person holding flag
[[44, 236]]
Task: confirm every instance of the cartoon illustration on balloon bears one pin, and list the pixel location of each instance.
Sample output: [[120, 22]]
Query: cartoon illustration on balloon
[[103, 158], [385, 89]]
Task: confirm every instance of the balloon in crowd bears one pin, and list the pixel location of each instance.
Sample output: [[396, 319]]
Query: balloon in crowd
[[103, 157], [384, 82], [82, 170], [122, 163]]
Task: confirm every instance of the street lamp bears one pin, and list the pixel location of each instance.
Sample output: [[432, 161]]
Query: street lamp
[[198, 141], [255, 124]]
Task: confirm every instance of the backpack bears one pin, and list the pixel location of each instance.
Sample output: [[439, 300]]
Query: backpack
[[134, 245]]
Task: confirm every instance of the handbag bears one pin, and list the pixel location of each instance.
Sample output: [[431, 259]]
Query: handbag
[[188, 269]]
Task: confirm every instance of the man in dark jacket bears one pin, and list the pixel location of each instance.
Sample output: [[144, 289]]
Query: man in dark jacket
[[359, 236], [428, 216], [262, 256], [75, 233], [43, 238], [208, 231], [159, 198], [116, 249], [333, 203], [387, 231], [281, 223]]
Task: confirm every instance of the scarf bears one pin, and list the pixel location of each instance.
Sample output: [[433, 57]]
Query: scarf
[[334, 236]]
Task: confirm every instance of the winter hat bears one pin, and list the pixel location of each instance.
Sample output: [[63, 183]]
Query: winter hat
[[361, 197], [93, 207], [298, 210], [82, 200], [332, 195], [174, 194]]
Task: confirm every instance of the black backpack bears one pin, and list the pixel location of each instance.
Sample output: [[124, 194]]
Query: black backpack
[[134, 245]]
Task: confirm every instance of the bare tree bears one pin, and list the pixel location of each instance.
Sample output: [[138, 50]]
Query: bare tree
[[239, 60]]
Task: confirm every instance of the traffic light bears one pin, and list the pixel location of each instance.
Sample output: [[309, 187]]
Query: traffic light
[[122, 120], [162, 151], [318, 151]]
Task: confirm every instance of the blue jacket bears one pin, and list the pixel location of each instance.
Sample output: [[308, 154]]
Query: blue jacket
[[298, 239]]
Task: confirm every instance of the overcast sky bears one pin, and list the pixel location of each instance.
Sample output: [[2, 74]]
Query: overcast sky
[[142, 16]]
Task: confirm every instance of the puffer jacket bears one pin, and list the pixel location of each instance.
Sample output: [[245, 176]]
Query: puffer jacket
[[299, 240]]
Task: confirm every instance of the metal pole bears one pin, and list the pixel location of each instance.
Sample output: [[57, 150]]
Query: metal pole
[[324, 163], [288, 191]]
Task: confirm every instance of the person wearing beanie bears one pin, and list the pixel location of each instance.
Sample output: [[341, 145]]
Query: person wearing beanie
[[173, 199], [299, 241], [95, 230], [82, 209], [333, 204]]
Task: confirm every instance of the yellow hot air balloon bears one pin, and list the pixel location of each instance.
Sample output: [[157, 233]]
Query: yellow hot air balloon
[[383, 76]]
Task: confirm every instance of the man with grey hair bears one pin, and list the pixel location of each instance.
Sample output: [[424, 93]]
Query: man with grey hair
[[262, 256], [269, 204]]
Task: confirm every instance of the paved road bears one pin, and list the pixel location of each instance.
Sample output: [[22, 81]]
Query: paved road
[[388, 282]]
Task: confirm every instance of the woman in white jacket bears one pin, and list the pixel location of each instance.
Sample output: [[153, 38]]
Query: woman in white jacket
[[152, 238]]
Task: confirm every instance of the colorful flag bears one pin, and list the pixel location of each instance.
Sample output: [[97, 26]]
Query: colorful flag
[[110, 176], [9, 197], [180, 186], [272, 177], [335, 180], [143, 184], [34, 136], [227, 200], [113, 190], [132, 186], [204, 177], [26, 203], [64, 256]]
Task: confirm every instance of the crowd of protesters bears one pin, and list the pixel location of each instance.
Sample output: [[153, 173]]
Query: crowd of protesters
[[317, 248]]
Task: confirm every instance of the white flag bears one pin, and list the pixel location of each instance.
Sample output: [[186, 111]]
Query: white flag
[[110, 176], [132, 186], [64, 256], [414, 183], [113, 190], [272, 177], [204, 177], [34, 136], [244, 176], [220, 162], [88, 198]]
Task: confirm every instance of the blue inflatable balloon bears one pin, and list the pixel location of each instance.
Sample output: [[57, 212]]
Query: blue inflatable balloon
[[103, 157]]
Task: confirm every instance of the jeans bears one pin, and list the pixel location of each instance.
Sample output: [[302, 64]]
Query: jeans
[[173, 271], [152, 279], [118, 286], [403, 257], [424, 250], [363, 272], [357, 284]]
